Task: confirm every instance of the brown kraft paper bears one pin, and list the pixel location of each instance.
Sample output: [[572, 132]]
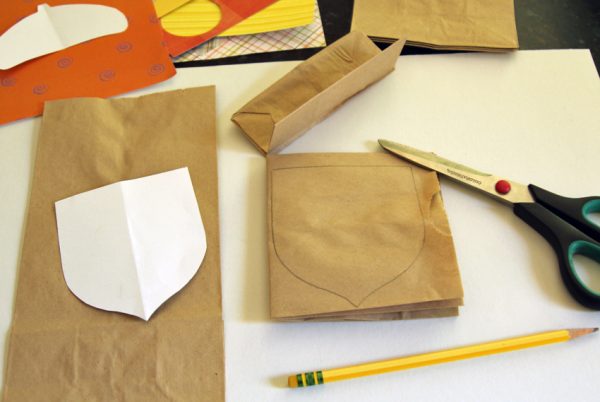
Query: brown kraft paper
[[358, 236], [63, 350], [313, 90], [484, 25]]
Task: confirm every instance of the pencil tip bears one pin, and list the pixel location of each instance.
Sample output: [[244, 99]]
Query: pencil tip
[[577, 332]]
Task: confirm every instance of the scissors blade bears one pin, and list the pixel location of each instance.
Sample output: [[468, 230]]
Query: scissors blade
[[494, 186]]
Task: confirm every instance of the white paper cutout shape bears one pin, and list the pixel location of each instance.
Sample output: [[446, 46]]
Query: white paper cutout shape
[[52, 29], [131, 245]]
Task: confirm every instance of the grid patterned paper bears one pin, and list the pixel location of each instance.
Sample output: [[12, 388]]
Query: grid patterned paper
[[304, 37]]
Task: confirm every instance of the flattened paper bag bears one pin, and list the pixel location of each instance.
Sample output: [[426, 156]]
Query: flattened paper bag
[[366, 238], [131, 245], [314, 89], [59, 348], [484, 25]]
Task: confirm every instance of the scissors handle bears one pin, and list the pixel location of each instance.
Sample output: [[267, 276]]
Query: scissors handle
[[567, 241], [572, 210]]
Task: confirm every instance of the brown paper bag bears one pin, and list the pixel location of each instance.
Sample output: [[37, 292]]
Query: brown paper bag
[[61, 349], [314, 89], [487, 25], [358, 236]]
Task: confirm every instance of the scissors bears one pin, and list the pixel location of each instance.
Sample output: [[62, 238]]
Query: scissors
[[564, 222]]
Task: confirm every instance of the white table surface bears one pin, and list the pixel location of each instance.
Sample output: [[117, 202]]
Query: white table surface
[[533, 116]]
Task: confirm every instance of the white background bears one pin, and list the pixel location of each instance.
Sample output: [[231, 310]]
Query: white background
[[533, 116]]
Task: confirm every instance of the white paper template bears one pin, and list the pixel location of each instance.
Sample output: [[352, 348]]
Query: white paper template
[[131, 245], [52, 29]]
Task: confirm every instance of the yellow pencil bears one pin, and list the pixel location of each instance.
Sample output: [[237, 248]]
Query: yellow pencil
[[442, 356]]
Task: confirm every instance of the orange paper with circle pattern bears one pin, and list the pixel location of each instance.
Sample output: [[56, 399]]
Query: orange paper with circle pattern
[[102, 67]]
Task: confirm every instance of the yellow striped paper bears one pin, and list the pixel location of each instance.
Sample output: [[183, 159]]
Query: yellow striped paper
[[198, 16]]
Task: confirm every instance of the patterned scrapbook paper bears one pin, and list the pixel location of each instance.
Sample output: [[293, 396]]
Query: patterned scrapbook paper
[[103, 67]]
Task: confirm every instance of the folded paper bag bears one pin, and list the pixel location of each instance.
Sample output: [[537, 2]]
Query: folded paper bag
[[313, 90], [367, 238], [482, 25]]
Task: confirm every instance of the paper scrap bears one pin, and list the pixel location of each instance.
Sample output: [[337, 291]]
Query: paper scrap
[[52, 29], [303, 37], [103, 67], [131, 245], [199, 16], [163, 7], [283, 14], [232, 13]]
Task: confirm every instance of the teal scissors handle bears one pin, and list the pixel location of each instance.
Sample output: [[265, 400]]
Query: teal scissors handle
[[564, 223]]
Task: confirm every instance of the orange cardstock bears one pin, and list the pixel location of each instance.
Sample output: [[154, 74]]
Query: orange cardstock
[[102, 67]]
